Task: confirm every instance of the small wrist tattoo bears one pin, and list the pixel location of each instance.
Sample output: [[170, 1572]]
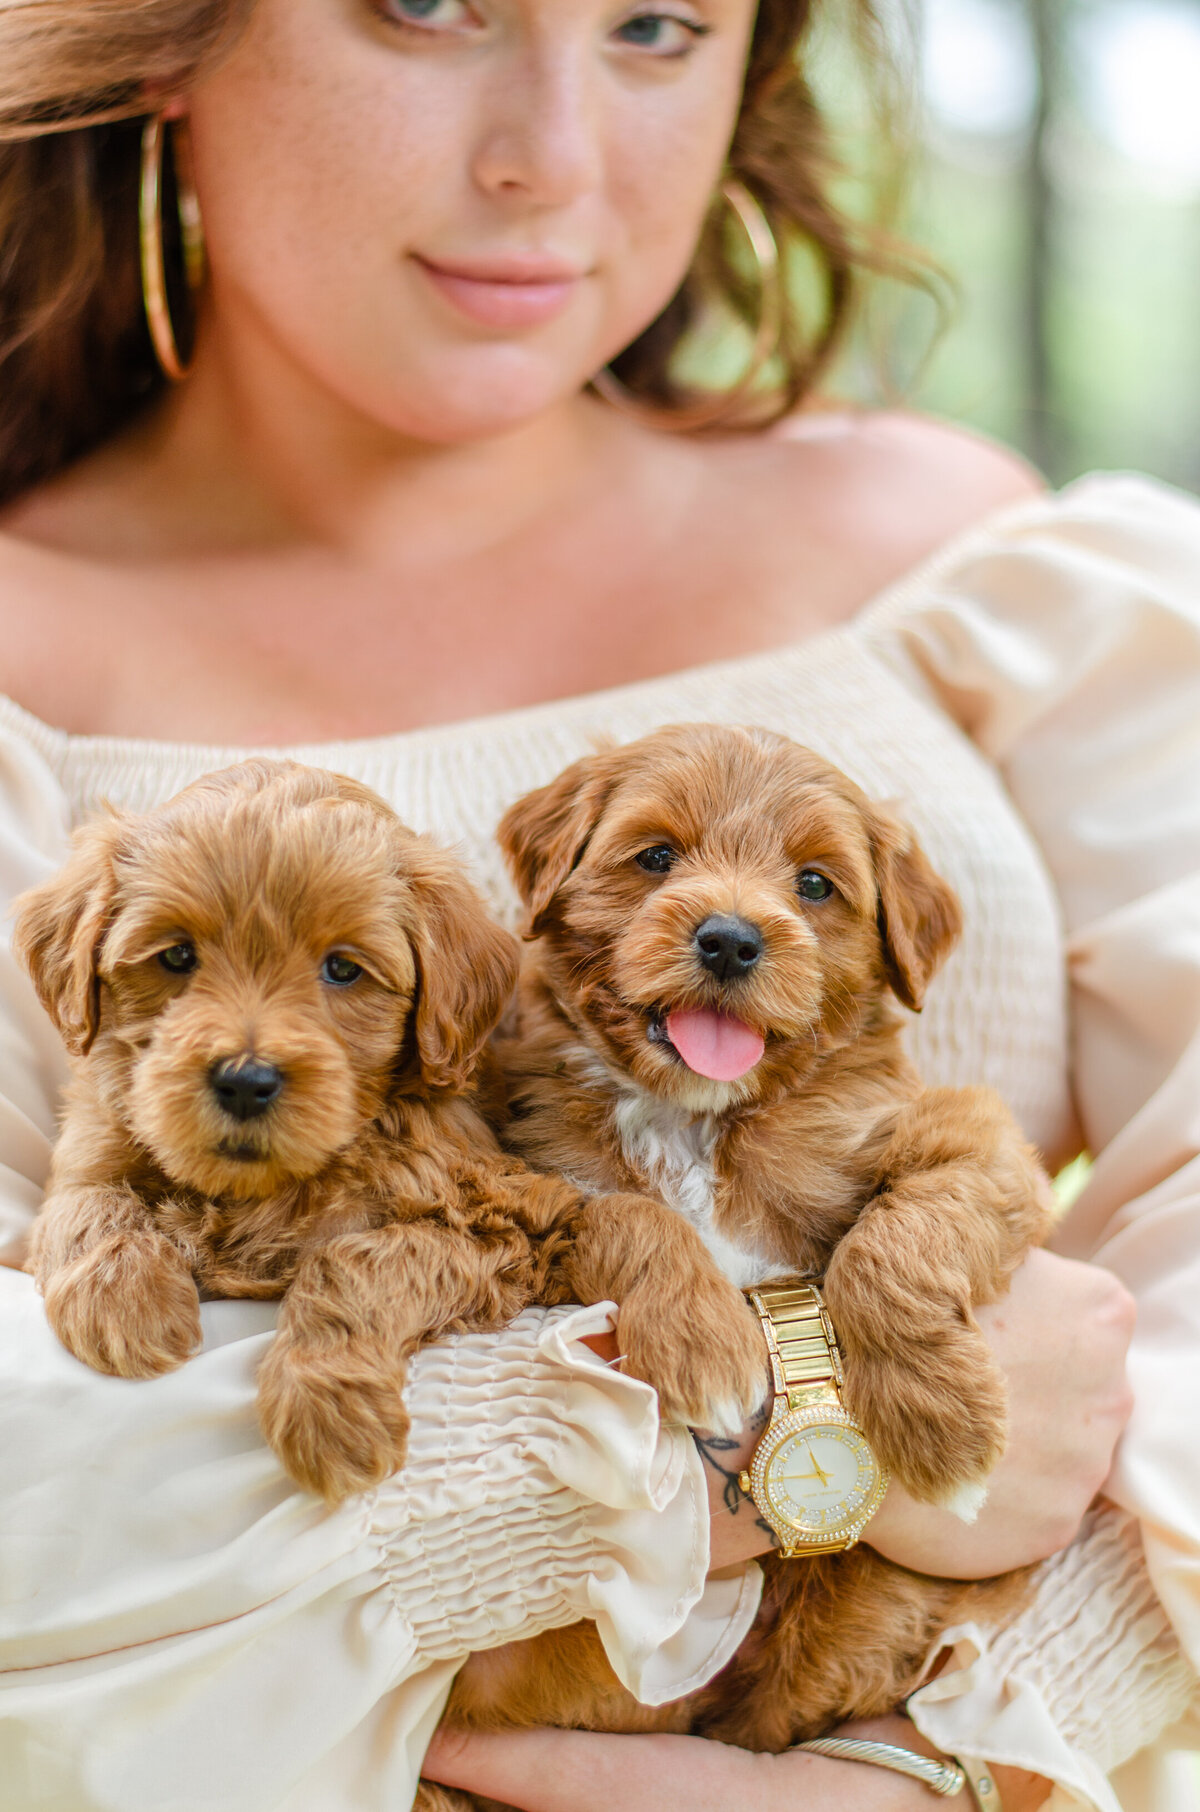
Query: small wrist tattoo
[[714, 1450]]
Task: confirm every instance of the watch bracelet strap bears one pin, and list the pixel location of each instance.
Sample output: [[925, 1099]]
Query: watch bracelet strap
[[800, 1339], [946, 1778]]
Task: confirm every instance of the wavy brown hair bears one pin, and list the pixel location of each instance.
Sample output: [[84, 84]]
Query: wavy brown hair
[[75, 78]]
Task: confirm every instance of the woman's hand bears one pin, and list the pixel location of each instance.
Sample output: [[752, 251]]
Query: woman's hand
[[580, 1771]]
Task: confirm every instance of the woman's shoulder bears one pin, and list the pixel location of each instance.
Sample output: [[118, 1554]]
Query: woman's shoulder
[[834, 506], [926, 484], [924, 478]]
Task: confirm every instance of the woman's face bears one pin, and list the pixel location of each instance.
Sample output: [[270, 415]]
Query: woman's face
[[450, 213]]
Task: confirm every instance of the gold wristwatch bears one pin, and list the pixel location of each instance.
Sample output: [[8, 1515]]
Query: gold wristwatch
[[813, 1476]]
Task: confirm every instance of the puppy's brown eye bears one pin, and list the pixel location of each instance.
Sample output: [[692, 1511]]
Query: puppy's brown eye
[[657, 859], [340, 970], [179, 959], [812, 885]]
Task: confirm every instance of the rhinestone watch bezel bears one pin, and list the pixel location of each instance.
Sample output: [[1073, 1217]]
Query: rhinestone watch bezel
[[780, 1430]]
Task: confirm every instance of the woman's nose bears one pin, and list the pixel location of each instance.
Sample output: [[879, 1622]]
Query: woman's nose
[[542, 144]]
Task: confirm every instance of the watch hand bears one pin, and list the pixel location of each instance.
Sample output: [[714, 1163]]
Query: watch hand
[[818, 1473]]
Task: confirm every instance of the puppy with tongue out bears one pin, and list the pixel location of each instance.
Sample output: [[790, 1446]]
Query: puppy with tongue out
[[724, 936], [717, 916]]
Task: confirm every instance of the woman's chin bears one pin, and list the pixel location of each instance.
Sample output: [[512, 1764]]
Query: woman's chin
[[444, 425], [474, 392]]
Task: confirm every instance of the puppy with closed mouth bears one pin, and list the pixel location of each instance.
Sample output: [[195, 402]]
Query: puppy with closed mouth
[[277, 999], [724, 930]]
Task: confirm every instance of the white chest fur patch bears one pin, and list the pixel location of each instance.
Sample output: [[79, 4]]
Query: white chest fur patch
[[674, 1152]]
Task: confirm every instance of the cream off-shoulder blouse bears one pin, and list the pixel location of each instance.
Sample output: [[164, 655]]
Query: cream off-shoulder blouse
[[181, 1628]]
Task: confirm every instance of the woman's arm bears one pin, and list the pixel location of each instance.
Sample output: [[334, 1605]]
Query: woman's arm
[[163, 1584], [576, 1771]]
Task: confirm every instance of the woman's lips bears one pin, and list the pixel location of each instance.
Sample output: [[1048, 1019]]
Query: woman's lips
[[495, 297]]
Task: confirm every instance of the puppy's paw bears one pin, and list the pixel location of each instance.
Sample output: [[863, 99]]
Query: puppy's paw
[[128, 1306], [700, 1347], [337, 1425], [938, 1422]]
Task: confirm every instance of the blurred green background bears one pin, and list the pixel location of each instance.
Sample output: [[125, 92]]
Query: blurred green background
[[1058, 184]]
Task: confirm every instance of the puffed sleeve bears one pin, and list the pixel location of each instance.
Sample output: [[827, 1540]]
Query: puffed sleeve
[[33, 835], [1065, 641], [180, 1626]]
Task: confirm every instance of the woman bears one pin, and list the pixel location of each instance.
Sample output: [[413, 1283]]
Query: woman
[[382, 501]]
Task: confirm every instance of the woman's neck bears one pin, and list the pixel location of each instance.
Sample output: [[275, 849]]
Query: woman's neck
[[252, 455]]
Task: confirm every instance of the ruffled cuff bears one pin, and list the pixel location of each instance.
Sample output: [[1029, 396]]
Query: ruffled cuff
[[540, 1488], [1089, 1673]]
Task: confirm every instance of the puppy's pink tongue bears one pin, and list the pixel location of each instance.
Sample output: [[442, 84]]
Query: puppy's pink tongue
[[714, 1044]]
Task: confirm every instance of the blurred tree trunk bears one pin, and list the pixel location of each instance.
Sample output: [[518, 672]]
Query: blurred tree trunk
[[1043, 424]]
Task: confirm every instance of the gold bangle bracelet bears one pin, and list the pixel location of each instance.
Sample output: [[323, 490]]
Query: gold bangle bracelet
[[946, 1778]]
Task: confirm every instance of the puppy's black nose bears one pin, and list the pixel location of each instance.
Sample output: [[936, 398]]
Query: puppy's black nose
[[245, 1090], [728, 947]]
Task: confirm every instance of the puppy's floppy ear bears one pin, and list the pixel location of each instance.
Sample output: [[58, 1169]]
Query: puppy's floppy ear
[[544, 834], [919, 916], [467, 966], [60, 927]]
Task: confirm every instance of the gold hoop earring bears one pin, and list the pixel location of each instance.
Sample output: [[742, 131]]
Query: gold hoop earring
[[707, 414], [150, 236]]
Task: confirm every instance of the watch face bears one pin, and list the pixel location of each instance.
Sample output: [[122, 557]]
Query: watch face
[[819, 1478]]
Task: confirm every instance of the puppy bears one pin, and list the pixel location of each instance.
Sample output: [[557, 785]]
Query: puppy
[[723, 924], [276, 998]]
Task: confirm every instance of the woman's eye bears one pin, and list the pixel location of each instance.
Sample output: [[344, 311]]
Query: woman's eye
[[663, 34], [657, 859], [425, 15], [178, 959], [812, 885], [340, 970]]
